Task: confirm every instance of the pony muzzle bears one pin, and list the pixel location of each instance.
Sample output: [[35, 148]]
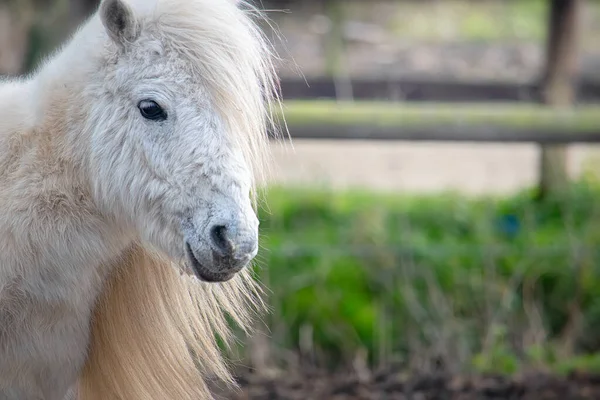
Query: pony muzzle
[[227, 252]]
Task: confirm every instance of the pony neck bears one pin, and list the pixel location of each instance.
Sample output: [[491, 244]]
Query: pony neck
[[59, 93], [66, 73]]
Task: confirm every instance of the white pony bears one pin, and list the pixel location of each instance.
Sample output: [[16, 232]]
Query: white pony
[[127, 169]]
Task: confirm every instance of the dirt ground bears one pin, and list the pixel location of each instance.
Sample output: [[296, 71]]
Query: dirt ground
[[390, 384], [470, 168]]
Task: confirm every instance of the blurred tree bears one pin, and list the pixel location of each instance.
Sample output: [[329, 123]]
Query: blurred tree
[[16, 20], [558, 89], [79, 10], [30, 29]]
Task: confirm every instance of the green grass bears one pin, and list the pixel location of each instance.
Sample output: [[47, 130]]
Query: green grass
[[299, 113], [480, 284]]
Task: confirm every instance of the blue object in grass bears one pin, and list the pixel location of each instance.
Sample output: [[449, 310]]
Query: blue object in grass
[[510, 225]]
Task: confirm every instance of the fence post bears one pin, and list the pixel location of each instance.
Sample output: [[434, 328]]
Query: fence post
[[335, 49], [558, 89]]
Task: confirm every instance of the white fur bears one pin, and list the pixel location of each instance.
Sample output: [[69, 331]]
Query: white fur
[[83, 175]]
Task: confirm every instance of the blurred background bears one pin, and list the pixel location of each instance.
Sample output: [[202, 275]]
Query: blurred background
[[432, 230]]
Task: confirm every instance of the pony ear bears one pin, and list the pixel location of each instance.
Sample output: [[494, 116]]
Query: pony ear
[[119, 21]]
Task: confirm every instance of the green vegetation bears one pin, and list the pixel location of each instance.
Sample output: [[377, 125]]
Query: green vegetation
[[474, 284], [481, 21], [298, 113], [472, 21]]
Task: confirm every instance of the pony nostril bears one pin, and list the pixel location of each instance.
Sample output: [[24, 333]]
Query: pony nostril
[[222, 243]]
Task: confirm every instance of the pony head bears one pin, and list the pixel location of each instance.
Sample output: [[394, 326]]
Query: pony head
[[178, 127]]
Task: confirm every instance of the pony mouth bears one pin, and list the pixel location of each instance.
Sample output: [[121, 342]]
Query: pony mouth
[[202, 272]]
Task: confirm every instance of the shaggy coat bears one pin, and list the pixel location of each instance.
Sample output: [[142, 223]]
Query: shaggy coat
[[145, 130]]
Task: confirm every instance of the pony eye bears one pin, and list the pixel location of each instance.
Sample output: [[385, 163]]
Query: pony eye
[[152, 111]]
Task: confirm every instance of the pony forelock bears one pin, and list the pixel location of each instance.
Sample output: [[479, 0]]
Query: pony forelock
[[235, 59]]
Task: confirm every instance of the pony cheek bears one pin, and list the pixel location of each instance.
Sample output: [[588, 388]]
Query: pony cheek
[[161, 159]]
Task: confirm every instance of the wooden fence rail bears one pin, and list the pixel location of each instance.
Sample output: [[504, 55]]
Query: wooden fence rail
[[479, 134], [414, 90]]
